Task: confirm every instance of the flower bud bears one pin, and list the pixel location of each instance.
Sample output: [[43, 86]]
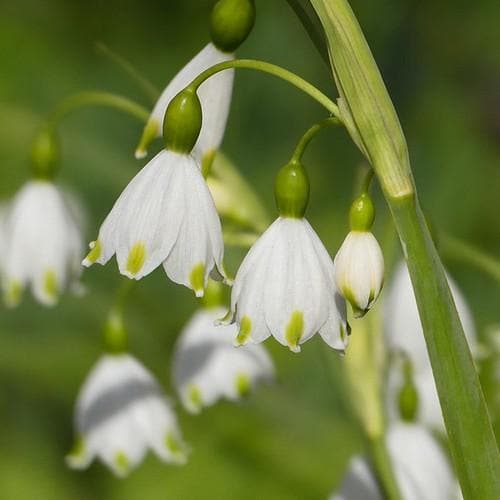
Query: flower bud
[[359, 270], [291, 190], [231, 22], [408, 394], [45, 154], [182, 123]]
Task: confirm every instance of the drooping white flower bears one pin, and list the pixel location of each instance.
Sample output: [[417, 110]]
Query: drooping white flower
[[421, 469], [43, 244], [167, 216], [215, 96], [404, 334], [359, 270], [207, 366], [285, 288], [121, 412]]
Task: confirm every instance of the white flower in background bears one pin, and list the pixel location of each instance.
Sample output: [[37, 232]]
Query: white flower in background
[[421, 469], [43, 244], [215, 97], [167, 216], [404, 334], [121, 412], [285, 288], [207, 366], [359, 270]]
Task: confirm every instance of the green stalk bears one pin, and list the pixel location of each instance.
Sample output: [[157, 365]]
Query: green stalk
[[455, 249], [274, 70], [96, 98], [372, 121]]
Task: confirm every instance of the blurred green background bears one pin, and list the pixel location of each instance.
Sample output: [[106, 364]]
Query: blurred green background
[[292, 439]]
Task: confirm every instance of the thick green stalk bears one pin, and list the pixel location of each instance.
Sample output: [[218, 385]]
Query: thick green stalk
[[368, 112]]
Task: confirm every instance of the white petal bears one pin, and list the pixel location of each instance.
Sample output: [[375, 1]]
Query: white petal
[[359, 269], [199, 241], [402, 323], [120, 412], [42, 238], [205, 361], [215, 96], [359, 483]]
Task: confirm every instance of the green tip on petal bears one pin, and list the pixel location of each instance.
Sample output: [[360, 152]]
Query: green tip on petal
[[77, 453], [194, 398], [149, 134], [242, 384], [121, 462], [175, 446], [244, 332], [294, 331], [136, 259], [50, 285], [357, 312], [94, 254], [197, 279], [13, 294]]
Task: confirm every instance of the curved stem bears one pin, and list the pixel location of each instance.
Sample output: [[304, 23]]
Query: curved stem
[[97, 98], [308, 136], [115, 336], [456, 249], [274, 70], [367, 180], [146, 86]]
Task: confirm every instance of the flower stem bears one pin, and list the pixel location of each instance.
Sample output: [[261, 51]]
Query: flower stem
[[115, 336], [384, 468], [147, 87], [308, 136], [96, 98], [274, 70], [456, 249]]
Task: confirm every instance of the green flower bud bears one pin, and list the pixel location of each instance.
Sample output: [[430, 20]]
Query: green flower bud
[[182, 123], [45, 154], [291, 190], [231, 22], [362, 213], [408, 395]]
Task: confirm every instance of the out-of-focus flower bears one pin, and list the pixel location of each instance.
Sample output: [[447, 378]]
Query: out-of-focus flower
[[215, 96], [43, 244], [167, 216], [121, 412], [421, 469], [207, 366], [404, 335], [285, 288], [359, 270]]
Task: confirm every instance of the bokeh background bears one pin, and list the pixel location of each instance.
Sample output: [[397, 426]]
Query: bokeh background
[[291, 439]]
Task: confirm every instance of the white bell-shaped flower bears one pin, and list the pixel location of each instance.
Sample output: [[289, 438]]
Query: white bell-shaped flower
[[121, 412], [215, 96], [167, 216], [421, 469], [207, 366], [359, 270], [404, 334], [285, 288], [43, 244]]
